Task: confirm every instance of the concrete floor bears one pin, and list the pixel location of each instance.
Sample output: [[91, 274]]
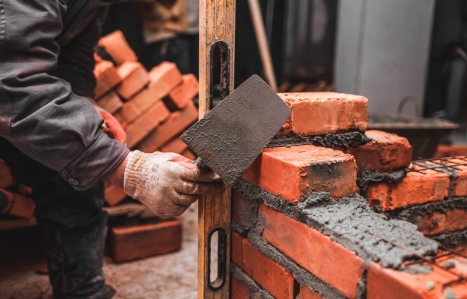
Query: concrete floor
[[171, 276]]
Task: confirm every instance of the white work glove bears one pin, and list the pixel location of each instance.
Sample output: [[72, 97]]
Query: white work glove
[[167, 183]]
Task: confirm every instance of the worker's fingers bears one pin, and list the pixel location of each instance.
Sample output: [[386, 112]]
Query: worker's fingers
[[182, 159], [200, 188], [188, 165], [186, 199], [197, 175]]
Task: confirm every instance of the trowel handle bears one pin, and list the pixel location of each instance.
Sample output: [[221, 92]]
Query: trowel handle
[[201, 165]]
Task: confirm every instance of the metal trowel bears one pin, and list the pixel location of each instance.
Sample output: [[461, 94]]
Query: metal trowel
[[230, 137]]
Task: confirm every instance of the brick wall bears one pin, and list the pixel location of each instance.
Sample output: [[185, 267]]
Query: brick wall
[[307, 216]]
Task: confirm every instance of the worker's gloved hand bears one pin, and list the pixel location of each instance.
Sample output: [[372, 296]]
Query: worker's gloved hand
[[166, 182]]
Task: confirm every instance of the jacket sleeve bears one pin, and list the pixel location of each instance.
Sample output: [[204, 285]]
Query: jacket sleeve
[[39, 114]]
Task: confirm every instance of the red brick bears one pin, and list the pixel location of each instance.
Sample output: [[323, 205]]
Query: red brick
[[23, 206], [117, 46], [175, 146], [238, 204], [294, 172], [267, 273], [163, 78], [110, 102], [460, 183], [6, 177], [25, 190], [181, 95], [174, 126], [134, 242], [306, 293], [238, 289], [415, 188], [317, 113], [134, 78], [389, 283], [312, 250], [121, 119], [439, 222], [146, 123], [236, 249], [387, 152], [450, 150], [107, 78], [188, 154], [114, 195]]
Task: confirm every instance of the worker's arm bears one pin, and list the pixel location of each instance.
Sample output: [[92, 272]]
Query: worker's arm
[[39, 113]]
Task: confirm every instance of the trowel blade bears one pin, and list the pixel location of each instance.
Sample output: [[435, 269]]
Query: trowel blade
[[230, 137]]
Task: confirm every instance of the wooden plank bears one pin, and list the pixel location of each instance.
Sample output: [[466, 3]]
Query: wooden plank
[[217, 23]]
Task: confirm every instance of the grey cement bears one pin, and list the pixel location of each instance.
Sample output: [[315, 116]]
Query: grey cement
[[255, 289], [368, 177], [230, 137], [347, 139], [410, 214], [170, 276], [452, 239], [351, 223]]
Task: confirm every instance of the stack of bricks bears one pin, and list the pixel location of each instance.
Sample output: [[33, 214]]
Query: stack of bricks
[[153, 107], [18, 195], [302, 229]]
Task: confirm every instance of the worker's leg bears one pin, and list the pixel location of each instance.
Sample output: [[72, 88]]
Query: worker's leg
[[73, 224]]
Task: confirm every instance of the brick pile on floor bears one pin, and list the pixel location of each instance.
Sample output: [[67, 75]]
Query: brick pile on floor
[[153, 107], [301, 228]]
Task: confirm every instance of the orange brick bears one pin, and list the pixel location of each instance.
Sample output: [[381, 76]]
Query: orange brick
[[388, 283], [110, 102], [121, 119], [188, 154], [306, 293], [317, 113], [313, 251], [146, 123], [238, 203], [25, 190], [238, 289], [134, 78], [180, 96], [415, 188], [387, 152], [174, 146], [107, 78], [23, 206], [117, 46], [450, 150], [174, 126], [460, 183], [6, 177], [236, 249], [439, 222], [114, 195], [267, 273], [294, 172], [134, 242], [130, 111]]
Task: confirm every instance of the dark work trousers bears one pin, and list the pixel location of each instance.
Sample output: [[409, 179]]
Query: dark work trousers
[[181, 50], [73, 225]]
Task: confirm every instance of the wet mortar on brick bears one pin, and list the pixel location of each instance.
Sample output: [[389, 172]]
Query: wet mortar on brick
[[352, 223], [345, 140]]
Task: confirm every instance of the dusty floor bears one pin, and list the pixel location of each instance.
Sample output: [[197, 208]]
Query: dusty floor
[[171, 276]]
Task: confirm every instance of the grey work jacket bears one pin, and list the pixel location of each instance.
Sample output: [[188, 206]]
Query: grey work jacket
[[46, 68]]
